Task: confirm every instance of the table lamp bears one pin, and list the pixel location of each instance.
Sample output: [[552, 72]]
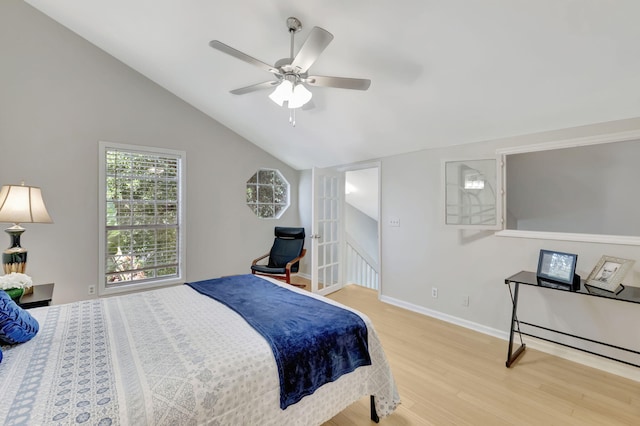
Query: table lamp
[[20, 204]]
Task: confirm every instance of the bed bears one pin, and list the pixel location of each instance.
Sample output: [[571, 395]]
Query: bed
[[172, 356]]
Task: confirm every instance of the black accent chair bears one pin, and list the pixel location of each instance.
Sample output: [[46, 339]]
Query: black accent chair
[[284, 257]]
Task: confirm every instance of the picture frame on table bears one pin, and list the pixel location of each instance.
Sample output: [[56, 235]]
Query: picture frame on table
[[558, 267], [609, 273]]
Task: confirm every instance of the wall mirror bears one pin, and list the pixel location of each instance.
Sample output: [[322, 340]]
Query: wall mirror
[[589, 189], [470, 194]]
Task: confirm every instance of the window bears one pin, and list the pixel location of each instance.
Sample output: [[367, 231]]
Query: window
[[471, 188], [577, 189], [141, 210], [268, 194]]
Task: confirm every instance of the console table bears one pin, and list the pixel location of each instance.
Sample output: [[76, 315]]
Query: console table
[[629, 294]]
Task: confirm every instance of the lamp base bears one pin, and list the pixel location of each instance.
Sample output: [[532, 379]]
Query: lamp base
[[14, 259], [18, 267]]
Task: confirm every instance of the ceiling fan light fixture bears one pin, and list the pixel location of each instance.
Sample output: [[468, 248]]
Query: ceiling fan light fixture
[[295, 94], [300, 96], [282, 93]]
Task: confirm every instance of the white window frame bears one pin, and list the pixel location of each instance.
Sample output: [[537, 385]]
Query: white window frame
[[560, 144], [181, 156], [257, 204]]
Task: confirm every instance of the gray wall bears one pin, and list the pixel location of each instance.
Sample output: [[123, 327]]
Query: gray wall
[[363, 229], [423, 253], [304, 210], [59, 96]]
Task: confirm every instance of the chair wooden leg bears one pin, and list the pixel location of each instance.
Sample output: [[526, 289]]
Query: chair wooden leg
[[298, 285]]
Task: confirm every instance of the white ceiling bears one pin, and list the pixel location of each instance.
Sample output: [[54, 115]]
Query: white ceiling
[[443, 72]]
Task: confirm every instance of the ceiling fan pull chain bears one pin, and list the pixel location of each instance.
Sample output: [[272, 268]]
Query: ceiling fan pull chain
[[292, 117]]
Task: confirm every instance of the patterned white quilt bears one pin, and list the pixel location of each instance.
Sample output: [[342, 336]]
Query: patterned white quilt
[[165, 357]]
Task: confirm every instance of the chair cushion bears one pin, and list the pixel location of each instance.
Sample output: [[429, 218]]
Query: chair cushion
[[267, 270], [283, 252], [16, 324], [292, 233]]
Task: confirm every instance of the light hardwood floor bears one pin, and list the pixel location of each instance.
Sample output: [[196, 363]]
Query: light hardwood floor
[[449, 375]]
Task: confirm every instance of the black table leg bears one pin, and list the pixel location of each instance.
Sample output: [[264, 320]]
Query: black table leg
[[374, 415], [512, 356]]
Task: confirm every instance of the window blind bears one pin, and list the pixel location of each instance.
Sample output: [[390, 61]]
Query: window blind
[[142, 216]]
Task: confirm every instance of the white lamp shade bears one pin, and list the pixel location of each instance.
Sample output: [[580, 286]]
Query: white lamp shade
[[22, 204], [282, 93], [301, 95]]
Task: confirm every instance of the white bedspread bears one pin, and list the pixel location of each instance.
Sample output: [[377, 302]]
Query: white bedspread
[[165, 357]]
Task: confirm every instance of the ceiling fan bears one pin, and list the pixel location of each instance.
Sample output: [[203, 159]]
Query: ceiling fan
[[291, 74]]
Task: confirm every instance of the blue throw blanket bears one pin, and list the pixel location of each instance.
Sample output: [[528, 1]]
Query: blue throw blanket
[[313, 342]]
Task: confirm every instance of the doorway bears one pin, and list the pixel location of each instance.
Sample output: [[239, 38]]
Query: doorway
[[362, 226]]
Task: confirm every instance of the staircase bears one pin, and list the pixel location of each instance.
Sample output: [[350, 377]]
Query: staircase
[[361, 269]]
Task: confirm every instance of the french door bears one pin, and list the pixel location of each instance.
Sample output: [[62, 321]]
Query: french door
[[327, 230]]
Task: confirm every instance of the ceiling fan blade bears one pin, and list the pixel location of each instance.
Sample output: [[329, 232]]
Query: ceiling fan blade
[[316, 42], [340, 82], [242, 56], [255, 87]]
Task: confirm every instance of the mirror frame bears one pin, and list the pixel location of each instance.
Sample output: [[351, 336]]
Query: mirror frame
[[494, 183]]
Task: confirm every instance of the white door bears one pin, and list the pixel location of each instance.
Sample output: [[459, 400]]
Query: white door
[[327, 230]]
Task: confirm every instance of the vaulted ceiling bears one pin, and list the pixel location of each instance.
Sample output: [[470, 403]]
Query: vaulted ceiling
[[443, 72]]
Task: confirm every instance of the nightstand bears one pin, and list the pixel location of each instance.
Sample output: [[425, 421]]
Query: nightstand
[[41, 296]]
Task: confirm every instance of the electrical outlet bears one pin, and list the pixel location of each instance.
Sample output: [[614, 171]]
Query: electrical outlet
[[465, 301], [434, 292], [394, 221], [92, 289]]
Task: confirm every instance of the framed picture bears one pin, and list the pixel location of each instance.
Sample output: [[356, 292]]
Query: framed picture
[[609, 273], [557, 266]]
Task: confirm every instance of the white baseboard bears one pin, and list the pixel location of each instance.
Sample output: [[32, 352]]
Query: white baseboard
[[445, 317], [594, 361]]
